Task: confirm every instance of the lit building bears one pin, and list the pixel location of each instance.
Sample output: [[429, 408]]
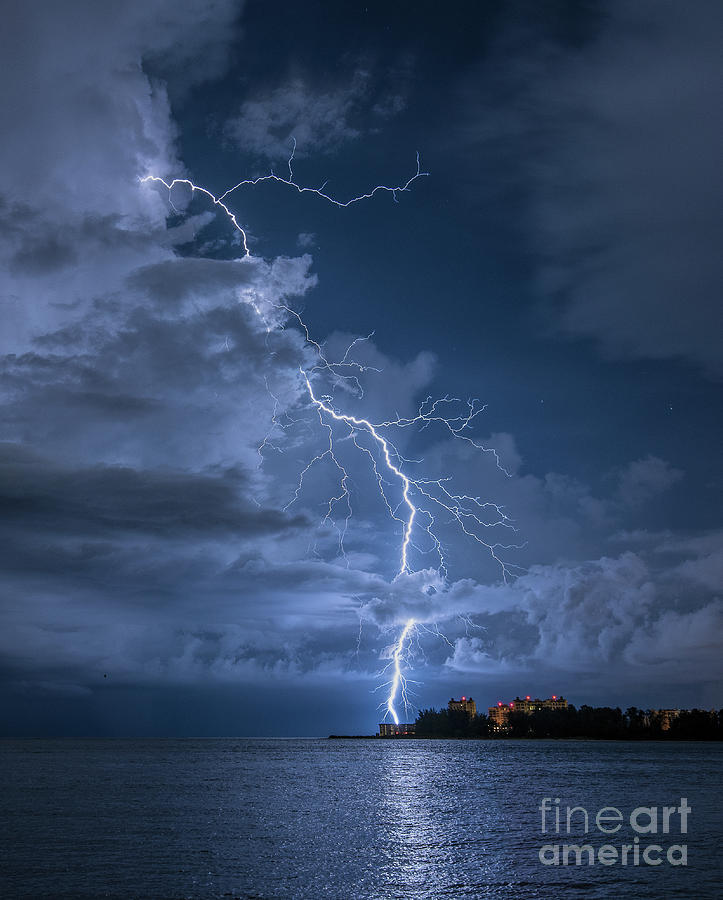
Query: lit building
[[390, 729], [528, 705], [499, 715], [466, 704], [664, 717]]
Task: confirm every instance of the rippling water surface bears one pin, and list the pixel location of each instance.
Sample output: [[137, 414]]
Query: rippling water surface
[[342, 819]]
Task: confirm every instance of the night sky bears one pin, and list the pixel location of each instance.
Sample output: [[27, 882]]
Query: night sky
[[560, 262]]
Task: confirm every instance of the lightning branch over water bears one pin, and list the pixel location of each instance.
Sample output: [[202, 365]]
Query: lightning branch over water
[[410, 500]]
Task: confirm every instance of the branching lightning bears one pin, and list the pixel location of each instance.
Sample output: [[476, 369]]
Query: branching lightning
[[416, 499], [289, 182], [465, 510]]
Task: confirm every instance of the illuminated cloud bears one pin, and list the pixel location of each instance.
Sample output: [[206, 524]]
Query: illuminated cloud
[[143, 534]]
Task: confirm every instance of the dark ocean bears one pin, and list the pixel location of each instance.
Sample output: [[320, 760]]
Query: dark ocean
[[350, 819]]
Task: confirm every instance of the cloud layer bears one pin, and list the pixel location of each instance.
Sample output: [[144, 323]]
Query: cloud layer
[[318, 119], [146, 535], [618, 142]]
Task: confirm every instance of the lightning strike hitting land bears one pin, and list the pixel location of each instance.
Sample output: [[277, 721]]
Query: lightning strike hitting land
[[417, 497], [398, 681]]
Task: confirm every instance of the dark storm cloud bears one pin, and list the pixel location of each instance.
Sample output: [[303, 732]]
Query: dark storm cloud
[[145, 533], [185, 541], [206, 280], [44, 255], [133, 381], [161, 373], [634, 618], [617, 144], [98, 501], [625, 619], [36, 246]]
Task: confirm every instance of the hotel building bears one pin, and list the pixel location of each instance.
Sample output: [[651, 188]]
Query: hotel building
[[499, 715], [390, 729], [466, 704]]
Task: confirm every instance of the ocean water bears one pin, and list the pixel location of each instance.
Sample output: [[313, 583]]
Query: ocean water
[[349, 819]]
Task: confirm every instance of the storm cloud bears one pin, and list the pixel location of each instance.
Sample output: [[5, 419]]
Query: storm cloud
[[618, 138], [155, 529]]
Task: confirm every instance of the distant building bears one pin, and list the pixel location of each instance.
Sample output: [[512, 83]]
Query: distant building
[[466, 704], [499, 715], [527, 705], [391, 729], [665, 717]]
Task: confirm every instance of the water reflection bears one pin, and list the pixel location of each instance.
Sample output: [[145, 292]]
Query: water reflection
[[331, 820], [438, 833]]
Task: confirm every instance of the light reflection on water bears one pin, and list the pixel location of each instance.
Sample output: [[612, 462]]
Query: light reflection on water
[[433, 835], [336, 819]]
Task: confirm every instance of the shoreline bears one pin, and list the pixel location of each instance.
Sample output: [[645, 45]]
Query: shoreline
[[587, 738]]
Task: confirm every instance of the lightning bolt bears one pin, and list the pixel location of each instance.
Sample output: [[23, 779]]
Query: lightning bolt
[[399, 683], [418, 496], [289, 182], [388, 460]]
